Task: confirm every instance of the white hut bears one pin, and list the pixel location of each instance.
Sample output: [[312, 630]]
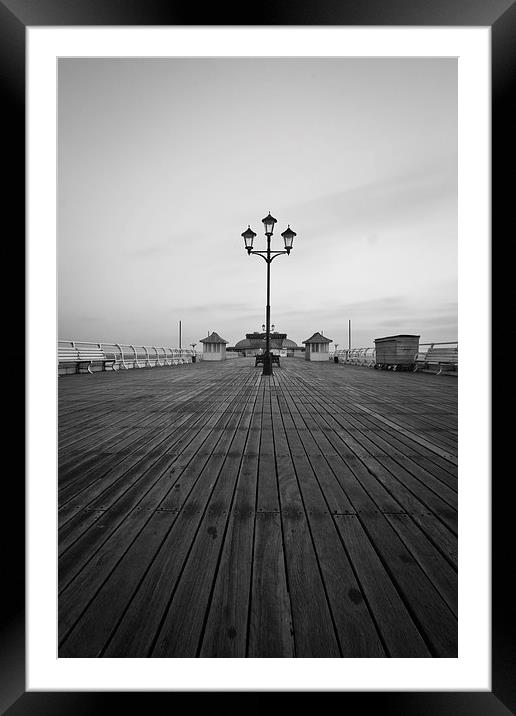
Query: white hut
[[317, 347], [213, 347]]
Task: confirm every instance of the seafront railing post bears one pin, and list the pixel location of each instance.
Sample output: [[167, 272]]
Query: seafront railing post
[[268, 255]]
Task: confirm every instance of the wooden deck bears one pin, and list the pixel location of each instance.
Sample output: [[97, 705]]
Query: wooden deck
[[208, 511]]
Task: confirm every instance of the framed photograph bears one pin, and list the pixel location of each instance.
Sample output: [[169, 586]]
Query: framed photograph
[[144, 149]]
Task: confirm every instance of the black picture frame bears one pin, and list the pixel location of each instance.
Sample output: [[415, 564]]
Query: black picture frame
[[500, 16]]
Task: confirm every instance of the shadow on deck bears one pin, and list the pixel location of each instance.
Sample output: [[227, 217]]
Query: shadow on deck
[[207, 510]]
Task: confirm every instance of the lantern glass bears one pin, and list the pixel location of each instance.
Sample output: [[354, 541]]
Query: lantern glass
[[248, 236], [288, 238], [268, 223]]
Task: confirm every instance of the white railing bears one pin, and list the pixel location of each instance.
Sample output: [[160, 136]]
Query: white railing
[[131, 356], [430, 346], [356, 356], [367, 356]]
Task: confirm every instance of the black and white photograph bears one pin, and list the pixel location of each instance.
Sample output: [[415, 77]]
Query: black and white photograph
[[258, 357], [254, 239]]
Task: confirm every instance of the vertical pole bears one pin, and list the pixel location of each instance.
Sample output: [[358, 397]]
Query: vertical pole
[[267, 362], [349, 334], [179, 335]]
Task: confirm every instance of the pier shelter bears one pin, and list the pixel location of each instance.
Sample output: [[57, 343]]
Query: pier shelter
[[213, 347], [317, 347]]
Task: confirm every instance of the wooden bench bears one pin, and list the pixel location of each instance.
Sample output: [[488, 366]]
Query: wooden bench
[[444, 357], [67, 356], [260, 358], [116, 362], [83, 358], [93, 356]]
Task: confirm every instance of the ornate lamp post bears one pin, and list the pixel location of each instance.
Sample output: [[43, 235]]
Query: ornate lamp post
[[268, 255]]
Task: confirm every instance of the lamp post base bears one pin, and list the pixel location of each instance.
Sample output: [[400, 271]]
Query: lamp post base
[[267, 364]]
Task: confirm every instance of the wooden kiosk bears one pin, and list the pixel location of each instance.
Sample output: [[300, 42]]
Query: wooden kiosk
[[213, 347], [317, 347]]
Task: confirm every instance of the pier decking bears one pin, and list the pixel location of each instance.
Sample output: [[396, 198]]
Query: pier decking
[[207, 510]]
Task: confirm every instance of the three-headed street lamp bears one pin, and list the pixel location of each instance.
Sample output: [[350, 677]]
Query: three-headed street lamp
[[288, 238]]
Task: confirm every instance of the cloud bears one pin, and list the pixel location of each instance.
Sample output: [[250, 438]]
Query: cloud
[[372, 208], [173, 245]]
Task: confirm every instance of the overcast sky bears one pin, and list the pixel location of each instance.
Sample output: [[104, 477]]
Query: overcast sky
[[163, 163]]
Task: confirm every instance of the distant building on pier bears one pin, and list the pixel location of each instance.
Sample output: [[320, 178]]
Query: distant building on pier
[[317, 347], [254, 343], [213, 347]]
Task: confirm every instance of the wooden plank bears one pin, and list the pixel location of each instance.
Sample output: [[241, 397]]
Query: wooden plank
[[438, 571], [80, 538], [390, 403], [142, 621], [99, 482], [432, 615], [441, 537], [305, 526], [416, 499], [349, 422], [313, 443], [430, 492], [386, 442], [411, 448], [113, 553], [177, 428], [227, 624], [74, 476], [267, 495], [399, 632], [362, 484], [357, 633], [270, 619], [87, 636], [314, 629], [413, 436], [183, 624]]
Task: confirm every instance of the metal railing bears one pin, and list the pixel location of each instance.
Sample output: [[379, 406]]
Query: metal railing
[[356, 356], [436, 354], [430, 346], [128, 356], [367, 356]]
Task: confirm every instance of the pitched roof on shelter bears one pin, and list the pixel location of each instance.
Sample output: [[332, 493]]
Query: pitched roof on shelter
[[318, 338], [213, 338]]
